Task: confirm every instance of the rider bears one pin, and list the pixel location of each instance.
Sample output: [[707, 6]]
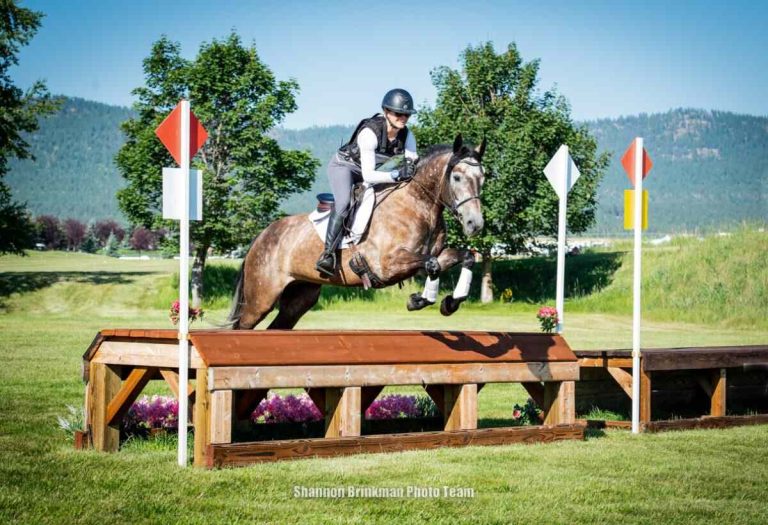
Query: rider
[[374, 141]]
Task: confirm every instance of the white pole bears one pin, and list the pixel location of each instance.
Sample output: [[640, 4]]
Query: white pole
[[561, 227], [184, 288], [638, 218]]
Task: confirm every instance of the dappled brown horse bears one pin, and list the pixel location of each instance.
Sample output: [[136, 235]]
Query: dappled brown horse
[[406, 234]]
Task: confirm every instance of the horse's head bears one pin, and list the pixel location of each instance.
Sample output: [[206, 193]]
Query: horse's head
[[464, 180]]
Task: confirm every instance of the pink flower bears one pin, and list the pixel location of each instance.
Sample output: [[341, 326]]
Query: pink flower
[[516, 413]]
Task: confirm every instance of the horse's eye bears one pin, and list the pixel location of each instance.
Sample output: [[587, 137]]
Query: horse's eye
[[455, 178]]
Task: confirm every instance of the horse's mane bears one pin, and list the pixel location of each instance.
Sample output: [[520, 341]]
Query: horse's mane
[[440, 149]]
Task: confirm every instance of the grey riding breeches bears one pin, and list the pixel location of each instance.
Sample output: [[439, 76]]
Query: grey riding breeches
[[342, 175]]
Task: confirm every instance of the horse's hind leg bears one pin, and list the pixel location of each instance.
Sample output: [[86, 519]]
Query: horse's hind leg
[[296, 300], [260, 302]]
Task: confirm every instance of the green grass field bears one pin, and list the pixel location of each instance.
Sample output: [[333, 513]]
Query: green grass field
[[54, 303]]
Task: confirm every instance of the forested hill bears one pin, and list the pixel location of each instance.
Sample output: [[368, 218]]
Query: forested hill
[[74, 174], [710, 168]]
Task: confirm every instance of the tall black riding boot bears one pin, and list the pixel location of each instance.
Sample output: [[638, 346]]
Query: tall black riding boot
[[326, 264]]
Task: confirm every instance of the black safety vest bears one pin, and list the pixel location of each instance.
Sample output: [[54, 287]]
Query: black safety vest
[[385, 147]]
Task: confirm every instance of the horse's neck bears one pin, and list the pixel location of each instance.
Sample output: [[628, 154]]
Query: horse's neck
[[427, 185]]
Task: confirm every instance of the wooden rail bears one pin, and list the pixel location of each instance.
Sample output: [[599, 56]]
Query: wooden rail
[[679, 369], [343, 372]]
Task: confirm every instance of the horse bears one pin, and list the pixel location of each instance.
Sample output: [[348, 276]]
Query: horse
[[406, 234]]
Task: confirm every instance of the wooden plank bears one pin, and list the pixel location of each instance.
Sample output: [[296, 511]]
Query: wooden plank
[[645, 396], [247, 377], [705, 357], [201, 419], [221, 416], [132, 387], [536, 391], [162, 355], [106, 383], [172, 378], [342, 411], [600, 424], [706, 423], [317, 347], [240, 454], [460, 411], [718, 396], [246, 401], [622, 378], [618, 362]]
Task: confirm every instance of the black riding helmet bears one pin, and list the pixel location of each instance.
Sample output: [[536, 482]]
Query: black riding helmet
[[399, 101]]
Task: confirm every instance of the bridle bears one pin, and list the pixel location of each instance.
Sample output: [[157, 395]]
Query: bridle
[[471, 160]]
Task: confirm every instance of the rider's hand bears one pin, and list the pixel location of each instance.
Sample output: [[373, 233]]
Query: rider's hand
[[407, 171]]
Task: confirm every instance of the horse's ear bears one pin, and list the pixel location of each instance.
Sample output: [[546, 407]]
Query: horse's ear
[[457, 142], [481, 149]]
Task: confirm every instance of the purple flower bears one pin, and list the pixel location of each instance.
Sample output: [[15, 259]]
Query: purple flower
[[288, 409], [152, 412]]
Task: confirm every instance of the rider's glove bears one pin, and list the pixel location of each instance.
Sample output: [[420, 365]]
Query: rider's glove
[[406, 172]]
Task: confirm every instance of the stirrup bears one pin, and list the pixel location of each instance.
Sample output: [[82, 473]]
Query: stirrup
[[323, 263]]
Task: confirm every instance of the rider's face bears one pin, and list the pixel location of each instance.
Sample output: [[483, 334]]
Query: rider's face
[[396, 120]]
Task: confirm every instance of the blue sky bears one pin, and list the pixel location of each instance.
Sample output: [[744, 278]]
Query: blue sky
[[608, 58]]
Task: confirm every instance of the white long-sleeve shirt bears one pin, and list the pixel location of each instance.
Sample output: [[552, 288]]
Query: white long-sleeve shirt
[[368, 142]]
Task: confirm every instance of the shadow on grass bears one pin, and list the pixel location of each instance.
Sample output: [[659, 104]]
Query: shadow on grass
[[25, 282]]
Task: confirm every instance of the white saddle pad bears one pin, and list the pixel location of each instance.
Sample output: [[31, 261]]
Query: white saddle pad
[[362, 217]]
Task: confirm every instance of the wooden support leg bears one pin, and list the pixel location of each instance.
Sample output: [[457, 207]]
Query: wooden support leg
[[317, 395], [342, 411], [222, 406], [437, 393], [172, 378], [645, 397], [622, 378], [559, 403], [105, 383], [718, 399], [201, 419], [246, 402], [368, 395], [124, 398], [536, 391], [460, 412]]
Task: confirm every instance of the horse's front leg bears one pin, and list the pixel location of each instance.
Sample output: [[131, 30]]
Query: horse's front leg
[[448, 258]]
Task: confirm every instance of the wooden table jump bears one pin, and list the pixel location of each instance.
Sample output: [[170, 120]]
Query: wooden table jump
[[343, 372], [707, 365]]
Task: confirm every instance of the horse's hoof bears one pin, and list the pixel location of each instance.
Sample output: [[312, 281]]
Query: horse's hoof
[[449, 305], [417, 302]]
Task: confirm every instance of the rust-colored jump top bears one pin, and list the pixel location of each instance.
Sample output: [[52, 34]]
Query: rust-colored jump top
[[328, 347]]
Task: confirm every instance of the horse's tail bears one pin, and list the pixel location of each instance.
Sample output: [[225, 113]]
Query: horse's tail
[[238, 301]]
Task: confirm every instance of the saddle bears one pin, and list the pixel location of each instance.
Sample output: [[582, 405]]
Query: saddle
[[363, 200]]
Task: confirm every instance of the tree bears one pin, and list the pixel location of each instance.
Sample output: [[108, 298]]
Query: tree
[[112, 246], [142, 239], [245, 173], [494, 96], [74, 231], [49, 231], [19, 111], [103, 229]]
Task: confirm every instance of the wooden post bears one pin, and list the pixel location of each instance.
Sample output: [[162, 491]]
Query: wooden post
[[536, 391], [201, 418], [222, 407], [317, 395], [342, 411], [105, 384], [460, 412], [718, 399], [246, 402], [645, 397], [559, 403]]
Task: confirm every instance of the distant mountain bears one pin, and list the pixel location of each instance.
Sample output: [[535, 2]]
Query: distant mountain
[[710, 167], [74, 174]]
